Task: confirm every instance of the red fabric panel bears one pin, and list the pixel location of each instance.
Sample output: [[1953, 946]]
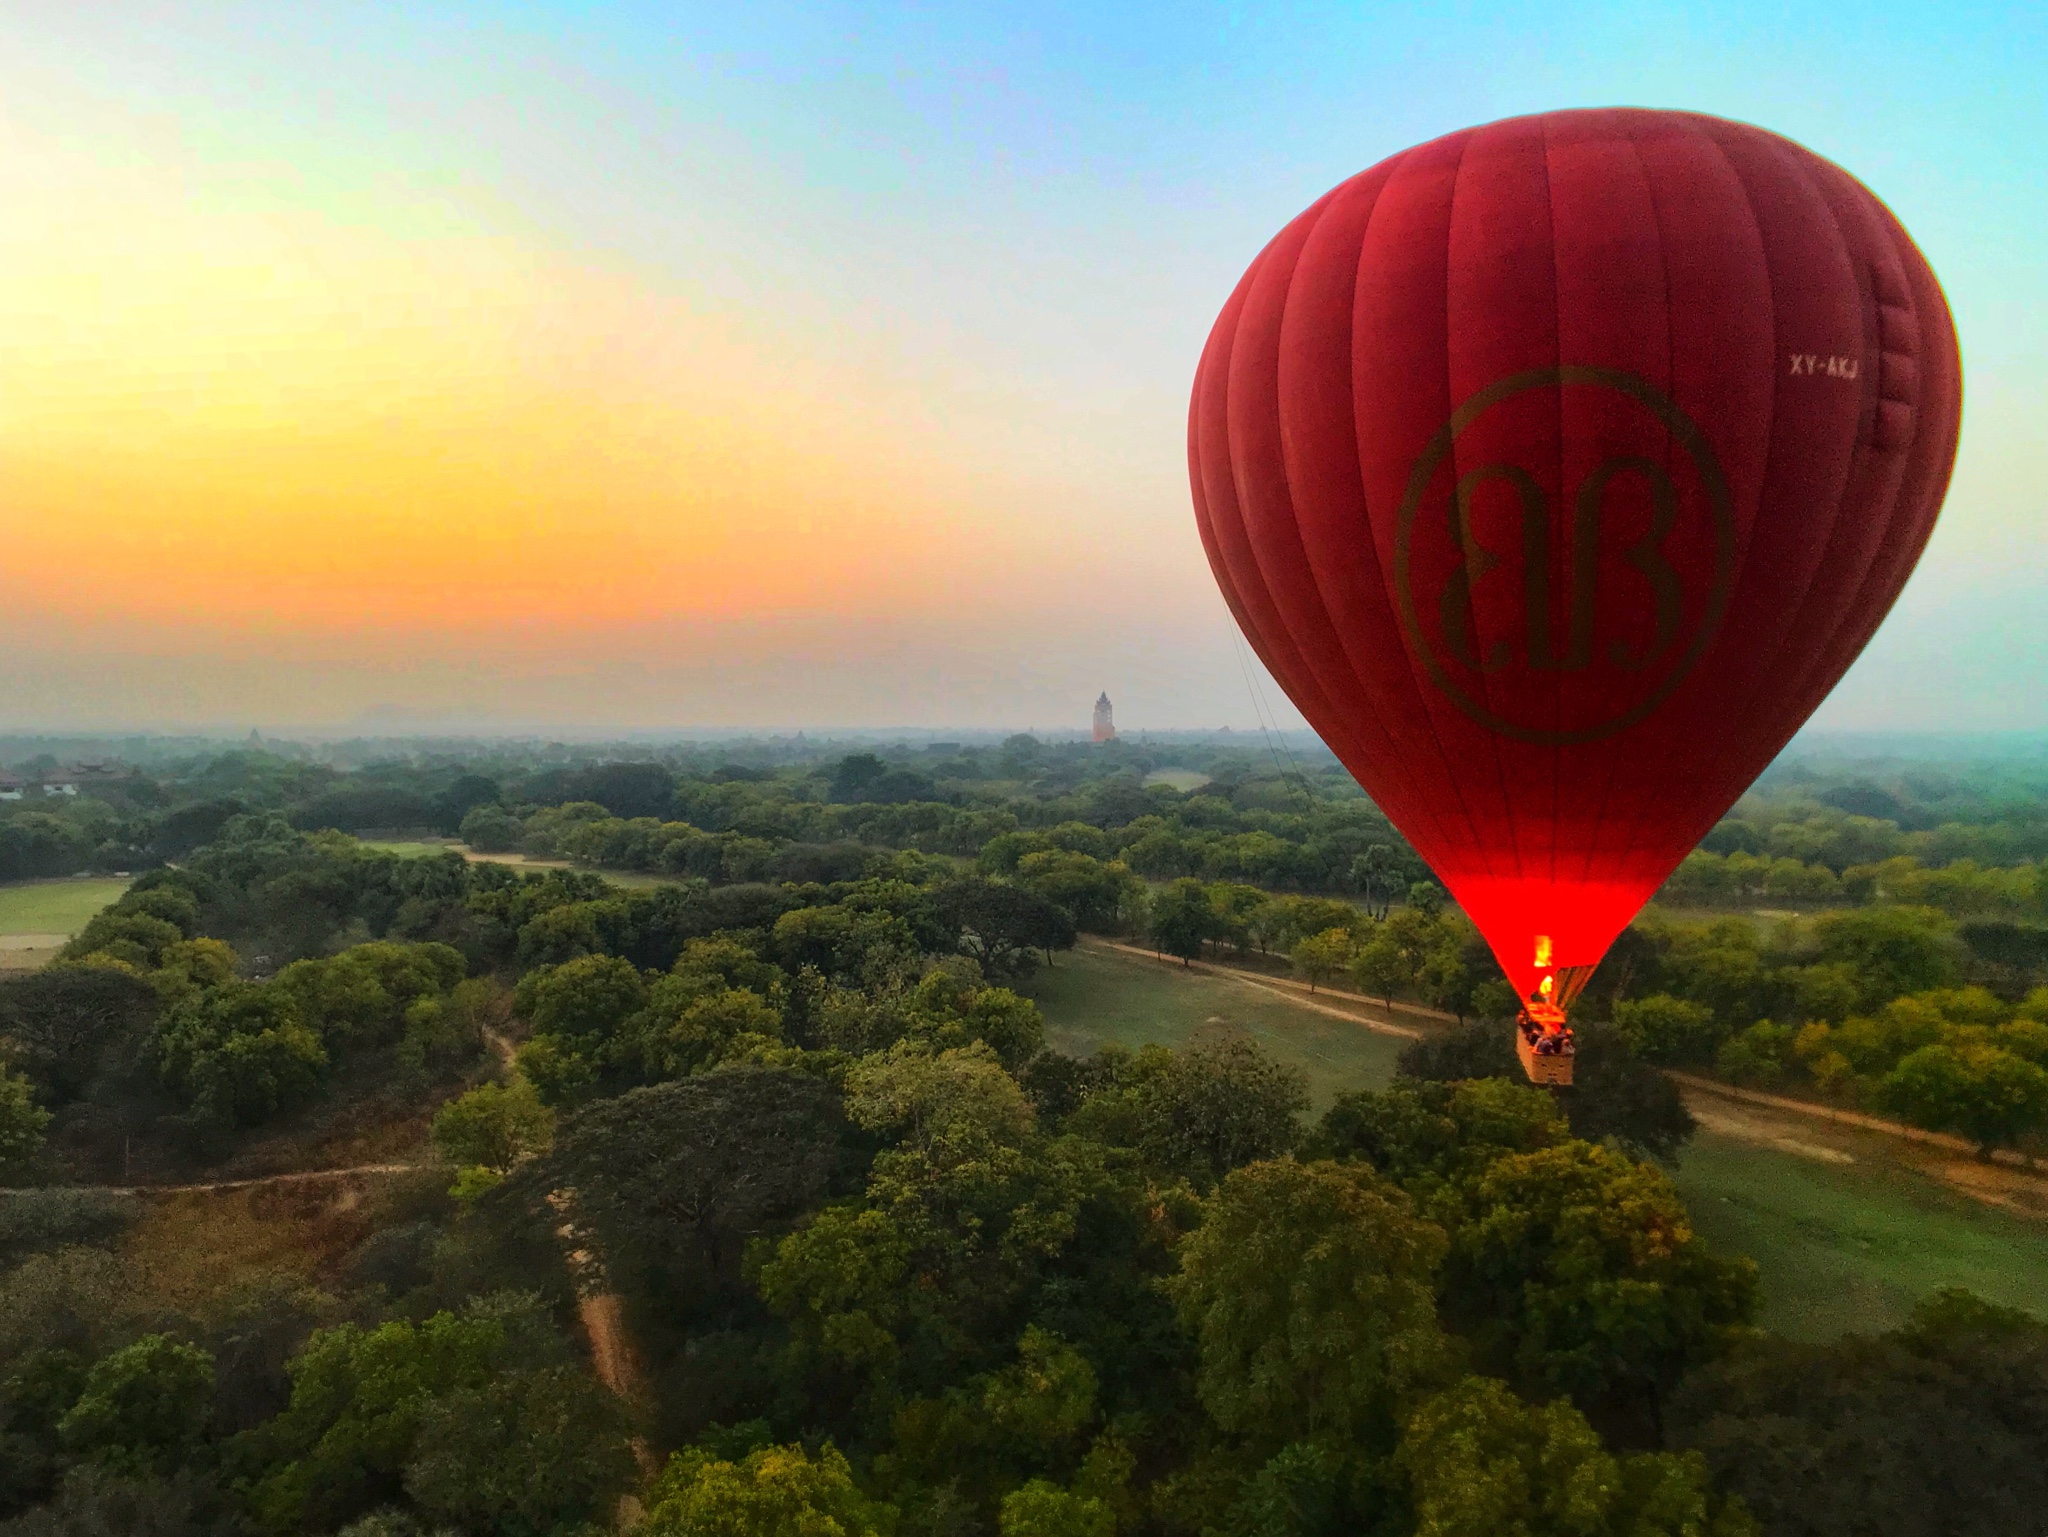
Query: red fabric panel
[[1557, 469]]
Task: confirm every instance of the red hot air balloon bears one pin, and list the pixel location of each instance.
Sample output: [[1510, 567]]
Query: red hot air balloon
[[1557, 469]]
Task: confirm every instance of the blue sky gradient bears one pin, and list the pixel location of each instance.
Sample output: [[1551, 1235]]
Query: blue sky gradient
[[987, 241]]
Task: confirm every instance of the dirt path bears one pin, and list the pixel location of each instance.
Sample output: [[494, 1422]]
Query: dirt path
[[1696, 1085], [300, 1177], [612, 1355], [1377, 1026], [601, 1311], [500, 1047]]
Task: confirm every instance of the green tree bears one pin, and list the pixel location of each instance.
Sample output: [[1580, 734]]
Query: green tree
[[1009, 1025], [577, 1010], [1308, 1288], [1614, 1096], [1933, 1427], [239, 1054], [1482, 1463], [1756, 1056], [527, 1454], [59, 1022], [1422, 1135], [1414, 948], [1892, 950], [360, 997], [1444, 977], [1320, 957], [1661, 1028], [778, 1491], [1280, 921], [143, 1408], [494, 1126], [964, 1228], [1213, 1106], [1001, 924], [560, 1073], [1236, 905], [340, 1447], [1043, 1509], [959, 1100], [1376, 873], [1096, 892], [845, 942], [979, 1438], [22, 1120], [677, 1177], [688, 1026], [1575, 1269], [1493, 999], [855, 775], [1184, 919], [136, 938], [1828, 991], [1719, 964], [1383, 966], [363, 990], [583, 1000], [1985, 1093]]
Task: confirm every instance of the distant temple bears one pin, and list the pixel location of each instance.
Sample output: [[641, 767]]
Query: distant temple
[[1105, 727]]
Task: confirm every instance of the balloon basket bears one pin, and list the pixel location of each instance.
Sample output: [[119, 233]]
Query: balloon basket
[[1541, 1066]]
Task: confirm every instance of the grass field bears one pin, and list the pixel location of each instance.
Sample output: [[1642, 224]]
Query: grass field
[[1845, 1244], [1092, 999], [56, 907], [1854, 1246]]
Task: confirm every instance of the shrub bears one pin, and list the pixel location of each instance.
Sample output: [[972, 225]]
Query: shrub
[[1757, 1055], [1984, 1093], [1661, 1028], [494, 1126], [143, 1407], [775, 1491]]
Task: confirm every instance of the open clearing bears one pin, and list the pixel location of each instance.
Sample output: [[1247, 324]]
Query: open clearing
[[1850, 1228], [1851, 1239], [56, 907], [1094, 998], [632, 880], [37, 917]]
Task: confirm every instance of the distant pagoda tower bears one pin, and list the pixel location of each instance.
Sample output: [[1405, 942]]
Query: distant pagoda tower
[[1105, 727]]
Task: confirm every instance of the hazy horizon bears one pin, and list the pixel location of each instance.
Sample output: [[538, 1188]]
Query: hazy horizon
[[18, 745]]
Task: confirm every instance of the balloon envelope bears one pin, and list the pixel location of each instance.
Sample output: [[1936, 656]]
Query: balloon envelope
[[1557, 469]]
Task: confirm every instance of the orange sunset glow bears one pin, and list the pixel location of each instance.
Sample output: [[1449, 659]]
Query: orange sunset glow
[[613, 383]]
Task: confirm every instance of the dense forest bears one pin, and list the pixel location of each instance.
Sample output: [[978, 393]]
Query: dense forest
[[759, 1205], [1873, 932]]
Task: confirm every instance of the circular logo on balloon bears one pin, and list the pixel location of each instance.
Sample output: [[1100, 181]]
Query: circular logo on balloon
[[1564, 553]]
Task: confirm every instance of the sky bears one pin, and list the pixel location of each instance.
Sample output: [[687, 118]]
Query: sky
[[600, 367]]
